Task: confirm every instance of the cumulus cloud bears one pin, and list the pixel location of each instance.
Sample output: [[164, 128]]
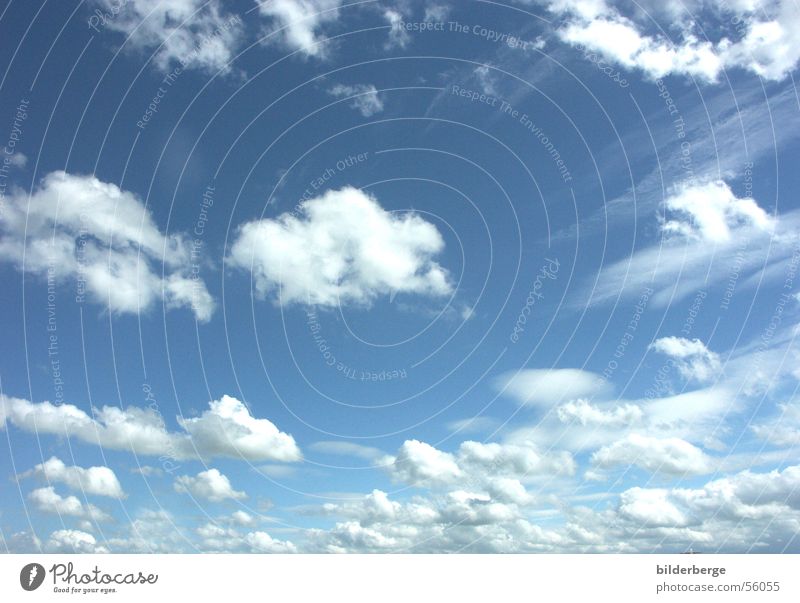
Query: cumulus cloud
[[766, 42], [476, 464], [711, 212], [73, 541], [47, 500], [226, 429], [342, 247], [261, 542], [693, 359], [188, 33], [661, 455], [101, 481], [211, 485], [585, 413], [103, 238], [733, 513], [398, 36], [365, 98], [650, 506], [298, 23], [546, 387]]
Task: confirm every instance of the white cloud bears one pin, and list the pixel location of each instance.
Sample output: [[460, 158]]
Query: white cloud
[[226, 429], [261, 542], [662, 455], [191, 33], [707, 233], [16, 159], [767, 43], [211, 485], [298, 23], [104, 239], [101, 481], [398, 36], [73, 541], [48, 500], [694, 360], [343, 248], [586, 413], [476, 465], [546, 387], [242, 518], [420, 463], [710, 212], [650, 507], [365, 98]]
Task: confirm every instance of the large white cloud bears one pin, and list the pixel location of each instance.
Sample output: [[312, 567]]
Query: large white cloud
[[104, 240], [766, 43], [188, 33], [211, 485], [298, 23], [710, 212], [226, 429], [101, 481], [341, 247], [663, 455], [734, 513]]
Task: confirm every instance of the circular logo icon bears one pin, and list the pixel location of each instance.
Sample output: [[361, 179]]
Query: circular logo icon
[[31, 576]]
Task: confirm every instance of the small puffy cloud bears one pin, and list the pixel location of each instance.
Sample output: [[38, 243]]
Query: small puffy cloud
[[102, 237], [711, 212], [546, 387], [226, 429], [16, 159], [101, 481], [193, 34], [211, 485], [298, 23], [662, 455], [587, 414], [261, 542], [398, 36], [242, 518], [73, 541], [364, 97], [342, 247], [47, 500], [693, 359]]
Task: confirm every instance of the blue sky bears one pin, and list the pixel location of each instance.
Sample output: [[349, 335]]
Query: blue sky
[[310, 276]]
